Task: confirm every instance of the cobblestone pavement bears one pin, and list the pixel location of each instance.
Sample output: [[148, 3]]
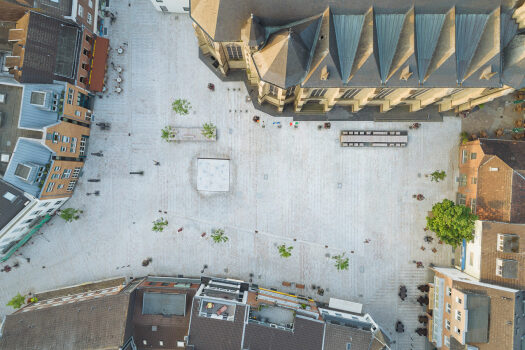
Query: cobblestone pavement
[[292, 186]]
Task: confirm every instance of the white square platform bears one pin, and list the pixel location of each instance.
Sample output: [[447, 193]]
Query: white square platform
[[213, 175]]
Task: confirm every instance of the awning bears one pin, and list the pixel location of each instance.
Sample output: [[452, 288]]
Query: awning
[[98, 64], [25, 238]]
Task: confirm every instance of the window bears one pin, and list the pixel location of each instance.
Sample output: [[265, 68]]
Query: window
[[22, 171], [462, 180], [65, 139], [50, 187], [10, 197], [458, 315], [60, 186], [493, 169], [91, 3], [159, 0], [55, 176], [349, 94], [273, 90], [56, 137], [474, 180], [83, 142], [234, 51], [70, 96], [448, 308], [290, 91], [57, 168], [348, 346], [36, 212], [76, 172], [28, 221], [318, 92], [461, 199], [66, 174], [473, 155], [50, 210], [80, 11], [70, 186], [384, 92], [447, 324], [464, 156], [449, 291], [457, 330], [458, 300], [63, 149], [473, 205], [45, 204], [164, 8], [89, 18], [58, 202], [78, 113]]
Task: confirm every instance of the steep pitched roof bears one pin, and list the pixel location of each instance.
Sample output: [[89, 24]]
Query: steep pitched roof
[[27, 151], [253, 33], [93, 324], [51, 50], [514, 63], [509, 151], [285, 59]]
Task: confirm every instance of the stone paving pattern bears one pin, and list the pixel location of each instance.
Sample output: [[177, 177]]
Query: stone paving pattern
[[284, 184]]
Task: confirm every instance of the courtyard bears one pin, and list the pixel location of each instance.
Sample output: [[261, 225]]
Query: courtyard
[[292, 186]]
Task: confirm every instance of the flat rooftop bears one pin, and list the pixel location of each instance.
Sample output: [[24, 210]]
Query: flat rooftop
[[9, 116]]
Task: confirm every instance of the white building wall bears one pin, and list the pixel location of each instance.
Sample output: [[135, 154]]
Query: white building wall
[[473, 252], [20, 224], [176, 6]]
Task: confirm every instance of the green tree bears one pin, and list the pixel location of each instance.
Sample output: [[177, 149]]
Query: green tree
[[181, 106], [463, 137], [209, 130], [17, 301], [159, 224], [438, 175], [452, 223], [167, 133], [70, 214], [284, 251], [341, 262], [218, 236]]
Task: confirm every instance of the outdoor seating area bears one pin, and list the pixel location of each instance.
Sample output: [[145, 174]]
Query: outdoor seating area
[[369, 138], [215, 309]]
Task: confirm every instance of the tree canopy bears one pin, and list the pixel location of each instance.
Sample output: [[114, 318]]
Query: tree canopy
[[452, 223]]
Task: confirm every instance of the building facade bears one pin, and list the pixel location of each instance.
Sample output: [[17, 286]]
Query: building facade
[[311, 57], [184, 313], [492, 179], [464, 313]]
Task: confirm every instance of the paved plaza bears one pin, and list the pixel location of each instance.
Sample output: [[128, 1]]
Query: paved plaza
[[293, 186]]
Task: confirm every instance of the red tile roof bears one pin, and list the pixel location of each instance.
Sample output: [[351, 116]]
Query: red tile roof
[[98, 64]]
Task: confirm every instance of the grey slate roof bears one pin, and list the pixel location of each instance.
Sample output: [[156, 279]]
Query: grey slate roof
[[478, 307], [435, 62], [514, 63], [254, 32], [51, 50], [27, 151], [307, 335], [93, 324], [9, 208], [285, 59], [33, 117], [509, 151]]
